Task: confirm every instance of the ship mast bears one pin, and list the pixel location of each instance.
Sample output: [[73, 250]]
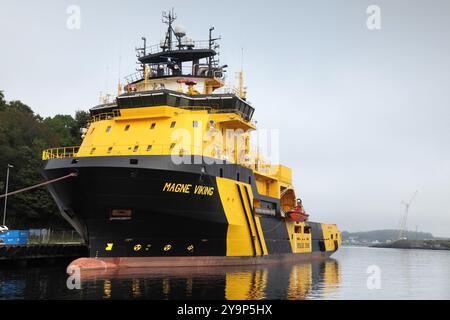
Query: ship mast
[[161, 65], [169, 18], [242, 91]]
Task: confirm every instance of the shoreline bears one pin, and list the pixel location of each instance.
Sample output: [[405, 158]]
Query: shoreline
[[415, 244]]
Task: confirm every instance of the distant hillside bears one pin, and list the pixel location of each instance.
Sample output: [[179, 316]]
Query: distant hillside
[[383, 236], [416, 244]]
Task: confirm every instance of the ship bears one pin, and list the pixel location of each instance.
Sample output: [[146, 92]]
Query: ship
[[166, 175]]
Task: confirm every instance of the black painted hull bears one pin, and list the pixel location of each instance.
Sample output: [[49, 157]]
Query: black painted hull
[[163, 224]]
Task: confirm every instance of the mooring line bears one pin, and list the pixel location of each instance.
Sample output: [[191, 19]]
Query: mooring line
[[73, 174]]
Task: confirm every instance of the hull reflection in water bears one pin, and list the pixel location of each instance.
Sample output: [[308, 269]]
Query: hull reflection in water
[[285, 281]]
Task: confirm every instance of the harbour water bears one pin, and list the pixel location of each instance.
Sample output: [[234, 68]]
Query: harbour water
[[353, 273]]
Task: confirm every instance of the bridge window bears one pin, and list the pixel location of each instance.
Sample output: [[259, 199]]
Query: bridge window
[[172, 125], [136, 148], [108, 128], [307, 229], [127, 127], [195, 124], [153, 125], [149, 147], [298, 229], [110, 149]]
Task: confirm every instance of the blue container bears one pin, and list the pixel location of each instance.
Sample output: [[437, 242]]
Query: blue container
[[10, 240], [24, 233], [15, 241], [15, 234], [10, 234], [4, 235], [22, 241], [15, 237]]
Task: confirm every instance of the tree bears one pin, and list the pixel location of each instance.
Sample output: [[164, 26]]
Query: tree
[[63, 126], [23, 136], [68, 128], [2, 101], [19, 106], [81, 121]]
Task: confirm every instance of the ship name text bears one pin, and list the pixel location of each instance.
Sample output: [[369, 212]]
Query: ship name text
[[188, 188]]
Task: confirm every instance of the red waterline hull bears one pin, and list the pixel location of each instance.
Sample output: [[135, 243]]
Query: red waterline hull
[[115, 264]]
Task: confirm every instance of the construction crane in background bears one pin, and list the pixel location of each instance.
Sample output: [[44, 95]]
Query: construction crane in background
[[404, 218]]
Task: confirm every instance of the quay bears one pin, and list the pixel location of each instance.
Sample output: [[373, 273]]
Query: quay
[[48, 253]]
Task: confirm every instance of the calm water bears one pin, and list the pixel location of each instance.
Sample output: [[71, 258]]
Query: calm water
[[403, 274]]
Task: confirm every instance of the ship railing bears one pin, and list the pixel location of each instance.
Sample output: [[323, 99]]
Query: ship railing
[[173, 149], [186, 71], [136, 76], [238, 112], [213, 110], [155, 48], [59, 153], [196, 108], [105, 116], [139, 149], [230, 90]]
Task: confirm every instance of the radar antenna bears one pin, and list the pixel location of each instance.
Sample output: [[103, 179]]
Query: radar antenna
[[168, 18]]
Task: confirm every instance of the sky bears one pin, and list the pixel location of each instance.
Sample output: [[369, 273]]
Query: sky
[[363, 114]]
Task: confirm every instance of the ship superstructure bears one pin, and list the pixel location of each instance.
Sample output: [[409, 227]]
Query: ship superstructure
[[166, 175]]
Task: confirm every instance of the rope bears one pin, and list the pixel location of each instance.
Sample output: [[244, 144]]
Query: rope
[[73, 174]]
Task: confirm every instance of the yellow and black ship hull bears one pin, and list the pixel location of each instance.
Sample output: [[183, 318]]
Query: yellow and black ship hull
[[148, 211]]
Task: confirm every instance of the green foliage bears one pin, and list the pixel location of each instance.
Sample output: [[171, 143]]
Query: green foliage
[[81, 121], [62, 125], [23, 136], [2, 101]]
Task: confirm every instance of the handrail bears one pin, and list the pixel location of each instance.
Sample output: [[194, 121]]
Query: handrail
[[186, 71], [176, 149], [198, 44], [59, 153], [114, 150], [135, 76], [105, 115], [116, 112]]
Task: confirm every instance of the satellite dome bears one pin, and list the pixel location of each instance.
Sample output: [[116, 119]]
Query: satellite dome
[[179, 31], [187, 42]]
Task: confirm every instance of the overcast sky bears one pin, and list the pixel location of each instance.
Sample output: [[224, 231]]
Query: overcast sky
[[363, 114]]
